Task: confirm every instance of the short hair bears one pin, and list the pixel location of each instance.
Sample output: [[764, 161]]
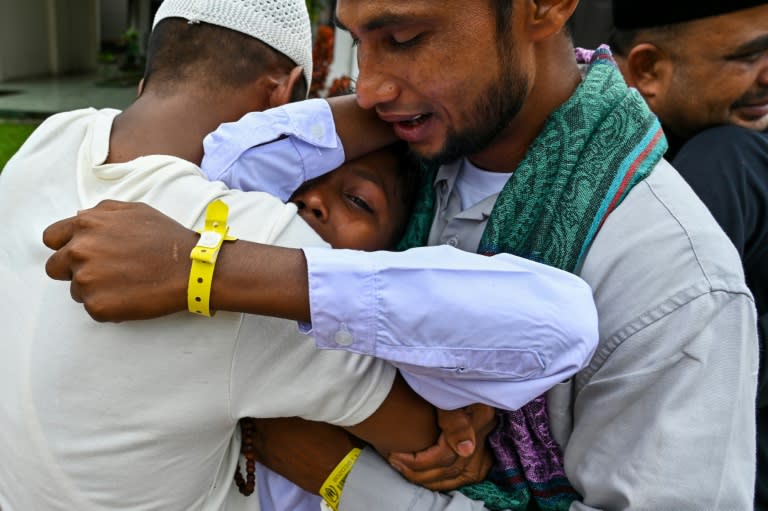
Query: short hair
[[622, 41], [208, 56]]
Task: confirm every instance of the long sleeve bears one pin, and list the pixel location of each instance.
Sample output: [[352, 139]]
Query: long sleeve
[[463, 328], [274, 151], [662, 428], [664, 415], [727, 167]]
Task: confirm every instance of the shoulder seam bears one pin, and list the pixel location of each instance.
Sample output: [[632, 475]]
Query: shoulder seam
[[648, 318]]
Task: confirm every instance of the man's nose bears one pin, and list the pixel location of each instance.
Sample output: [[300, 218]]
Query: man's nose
[[373, 87], [762, 77]]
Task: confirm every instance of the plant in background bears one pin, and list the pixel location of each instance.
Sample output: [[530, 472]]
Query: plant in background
[[321, 12], [341, 86], [130, 56], [323, 33], [322, 56]]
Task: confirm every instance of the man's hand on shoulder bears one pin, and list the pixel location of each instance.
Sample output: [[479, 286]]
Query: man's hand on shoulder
[[125, 260]]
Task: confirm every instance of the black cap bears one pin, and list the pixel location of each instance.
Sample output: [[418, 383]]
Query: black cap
[[634, 14]]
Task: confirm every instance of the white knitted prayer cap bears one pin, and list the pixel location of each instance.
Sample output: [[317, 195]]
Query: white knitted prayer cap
[[282, 24]]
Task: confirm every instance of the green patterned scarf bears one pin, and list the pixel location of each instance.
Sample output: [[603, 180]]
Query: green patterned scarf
[[592, 150]]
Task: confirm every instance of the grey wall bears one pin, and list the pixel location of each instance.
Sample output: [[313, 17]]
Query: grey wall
[[24, 41], [114, 19], [48, 37], [77, 35]]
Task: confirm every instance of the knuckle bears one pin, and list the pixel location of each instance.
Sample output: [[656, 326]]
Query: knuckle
[[82, 220], [453, 421], [83, 277], [78, 250], [108, 204], [449, 458], [96, 310], [455, 471]]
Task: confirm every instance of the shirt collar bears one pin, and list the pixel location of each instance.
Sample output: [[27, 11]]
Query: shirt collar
[[445, 181]]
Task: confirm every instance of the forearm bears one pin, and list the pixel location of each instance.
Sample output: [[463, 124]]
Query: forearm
[[361, 131], [261, 279], [281, 443], [279, 149], [304, 452], [509, 327], [403, 407]]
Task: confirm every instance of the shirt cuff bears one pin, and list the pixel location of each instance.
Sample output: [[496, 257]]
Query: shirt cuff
[[342, 319]]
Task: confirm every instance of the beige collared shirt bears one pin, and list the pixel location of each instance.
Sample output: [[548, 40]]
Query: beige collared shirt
[[452, 225], [663, 417]]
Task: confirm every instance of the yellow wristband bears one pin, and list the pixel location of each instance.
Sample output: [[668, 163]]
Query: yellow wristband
[[204, 256], [331, 489]]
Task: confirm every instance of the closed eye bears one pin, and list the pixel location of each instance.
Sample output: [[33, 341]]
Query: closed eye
[[750, 51], [748, 57], [359, 202], [401, 42]]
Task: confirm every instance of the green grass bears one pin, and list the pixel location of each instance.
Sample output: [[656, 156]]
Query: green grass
[[12, 135]]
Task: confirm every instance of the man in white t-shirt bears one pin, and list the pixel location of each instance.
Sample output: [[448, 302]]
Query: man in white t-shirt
[[143, 416]]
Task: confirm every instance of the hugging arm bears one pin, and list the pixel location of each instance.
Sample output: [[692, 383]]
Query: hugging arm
[[117, 254], [279, 443], [491, 319], [277, 150]]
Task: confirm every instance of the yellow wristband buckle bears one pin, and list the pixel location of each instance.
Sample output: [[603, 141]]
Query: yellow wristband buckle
[[204, 256], [334, 484]]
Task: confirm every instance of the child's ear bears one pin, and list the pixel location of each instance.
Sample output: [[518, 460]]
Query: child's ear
[[284, 91]]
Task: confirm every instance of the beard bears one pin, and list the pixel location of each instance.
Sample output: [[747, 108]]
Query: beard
[[491, 114]]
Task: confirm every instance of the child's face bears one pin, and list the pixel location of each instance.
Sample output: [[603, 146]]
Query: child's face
[[357, 206]]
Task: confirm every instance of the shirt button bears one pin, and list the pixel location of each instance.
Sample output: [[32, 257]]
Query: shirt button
[[343, 338], [454, 241], [317, 131]]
